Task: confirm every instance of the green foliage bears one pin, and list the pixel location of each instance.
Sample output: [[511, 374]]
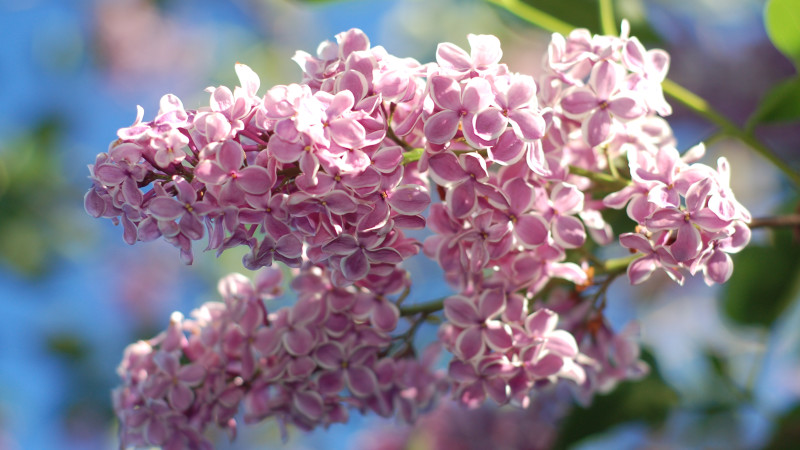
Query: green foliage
[[584, 14], [68, 346], [782, 20], [780, 104], [648, 400], [765, 281], [787, 434], [34, 199]]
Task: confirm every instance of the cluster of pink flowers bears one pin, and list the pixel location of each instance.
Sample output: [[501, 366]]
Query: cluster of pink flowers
[[306, 173], [688, 217], [305, 365], [326, 175]]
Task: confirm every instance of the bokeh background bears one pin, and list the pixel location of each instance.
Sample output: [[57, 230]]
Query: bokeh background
[[726, 361]]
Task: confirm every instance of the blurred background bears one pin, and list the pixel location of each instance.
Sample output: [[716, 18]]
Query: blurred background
[[726, 361]]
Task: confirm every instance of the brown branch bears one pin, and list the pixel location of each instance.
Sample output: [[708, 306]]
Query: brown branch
[[790, 220]]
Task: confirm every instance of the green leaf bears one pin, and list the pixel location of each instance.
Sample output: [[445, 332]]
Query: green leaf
[[787, 434], [584, 14], [780, 104], [765, 280], [68, 346], [648, 400], [782, 20]]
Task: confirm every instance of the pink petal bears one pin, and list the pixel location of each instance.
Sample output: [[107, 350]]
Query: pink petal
[[666, 219], [527, 124], [248, 79], [441, 127], [617, 200], [636, 241], [461, 371], [520, 92], [298, 341], [491, 303], [289, 246], [461, 311], [709, 221], [604, 78], [477, 95], [597, 129], [567, 271], [498, 389], [283, 151], [192, 374], [452, 56], [567, 198], [331, 382], [347, 133], [110, 175], [641, 269], [469, 343], [361, 381], [498, 336], [446, 167], [339, 202], [633, 55], [687, 243], [531, 229], [546, 366], [342, 102], [309, 403], [484, 49], [508, 149], [626, 107], [490, 123], [267, 341], [355, 266], [344, 244], [562, 343], [155, 431], [718, 267], [230, 156], [461, 199], [384, 255], [541, 322], [329, 355], [180, 397], [568, 232], [409, 199], [165, 208], [385, 316], [210, 173], [445, 93], [579, 102], [254, 180]]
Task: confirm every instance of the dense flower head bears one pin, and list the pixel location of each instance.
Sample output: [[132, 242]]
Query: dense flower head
[[306, 365], [327, 175]]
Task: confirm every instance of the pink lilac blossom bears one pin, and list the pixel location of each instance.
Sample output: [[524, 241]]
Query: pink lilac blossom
[[293, 364], [326, 176]]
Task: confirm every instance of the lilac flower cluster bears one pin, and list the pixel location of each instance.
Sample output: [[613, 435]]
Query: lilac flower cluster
[[326, 175], [305, 173], [688, 217], [304, 365]]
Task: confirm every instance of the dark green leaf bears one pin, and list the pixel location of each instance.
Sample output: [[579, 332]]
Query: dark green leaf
[[764, 281], [782, 19], [67, 345], [780, 104], [648, 400], [787, 434], [585, 14]]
